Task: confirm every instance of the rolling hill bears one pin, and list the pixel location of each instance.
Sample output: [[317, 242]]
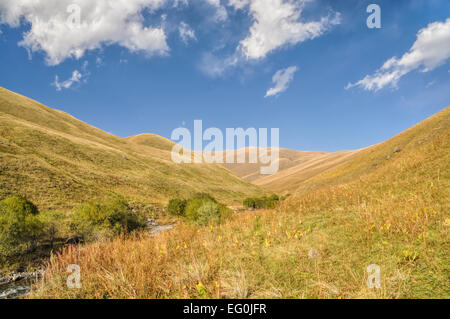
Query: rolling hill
[[295, 167], [58, 161], [287, 158]]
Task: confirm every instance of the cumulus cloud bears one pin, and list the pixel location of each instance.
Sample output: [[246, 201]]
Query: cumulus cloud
[[276, 23], [102, 22], [282, 78], [430, 50], [186, 33]]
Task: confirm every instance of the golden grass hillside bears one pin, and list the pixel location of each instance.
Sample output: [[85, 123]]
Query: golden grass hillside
[[58, 161], [382, 207], [290, 179], [295, 167], [287, 159]]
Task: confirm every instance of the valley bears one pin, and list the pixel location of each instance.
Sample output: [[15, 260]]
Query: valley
[[308, 231]]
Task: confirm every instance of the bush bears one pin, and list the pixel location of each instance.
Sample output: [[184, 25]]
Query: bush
[[54, 224], [176, 207], [208, 213], [95, 220], [274, 197], [204, 209], [20, 227], [261, 202], [249, 203]]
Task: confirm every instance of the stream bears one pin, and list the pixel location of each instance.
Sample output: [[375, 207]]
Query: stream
[[15, 290]]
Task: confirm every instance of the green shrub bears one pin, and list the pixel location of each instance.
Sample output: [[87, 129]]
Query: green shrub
[[225, 212], [176, 207], [54, 224], [261, 202], [96, 220], [274, 197], [192, 207], [208, 213], [20, 227], [249, 203], [203, 209]]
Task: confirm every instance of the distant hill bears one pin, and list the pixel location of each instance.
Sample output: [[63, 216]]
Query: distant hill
[[287, 158], [58, 161], [295, 168]]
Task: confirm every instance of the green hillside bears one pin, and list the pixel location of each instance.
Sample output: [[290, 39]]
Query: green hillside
[[58, 161]]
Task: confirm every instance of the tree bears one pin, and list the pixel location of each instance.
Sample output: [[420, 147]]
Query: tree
[[176, 207], [53, 223], [20, 227]]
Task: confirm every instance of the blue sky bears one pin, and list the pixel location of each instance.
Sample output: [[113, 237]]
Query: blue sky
[[130, 83]]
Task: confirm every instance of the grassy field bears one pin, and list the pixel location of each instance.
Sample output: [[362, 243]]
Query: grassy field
[[388, 206], [57, 162]]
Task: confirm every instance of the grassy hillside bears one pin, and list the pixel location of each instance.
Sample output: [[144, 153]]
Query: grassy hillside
[[290, 179], [388, 206], [58, 161], [287, 159], [295, 167]]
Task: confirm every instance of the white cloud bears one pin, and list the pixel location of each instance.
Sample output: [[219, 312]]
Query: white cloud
[[76, 78], [281, 79], [215, 67], [179, 3], [277, 23], [430, 50], [238, 4], [186, 33], [221, 12], [103, 22]]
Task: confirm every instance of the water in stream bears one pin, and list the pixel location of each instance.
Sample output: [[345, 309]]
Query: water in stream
[[15, 290]]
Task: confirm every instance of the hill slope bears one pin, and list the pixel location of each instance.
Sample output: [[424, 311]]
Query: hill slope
[[418, 153], [388, 206], [295, 167], [58, 161], [292, 177], [287, 158]]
